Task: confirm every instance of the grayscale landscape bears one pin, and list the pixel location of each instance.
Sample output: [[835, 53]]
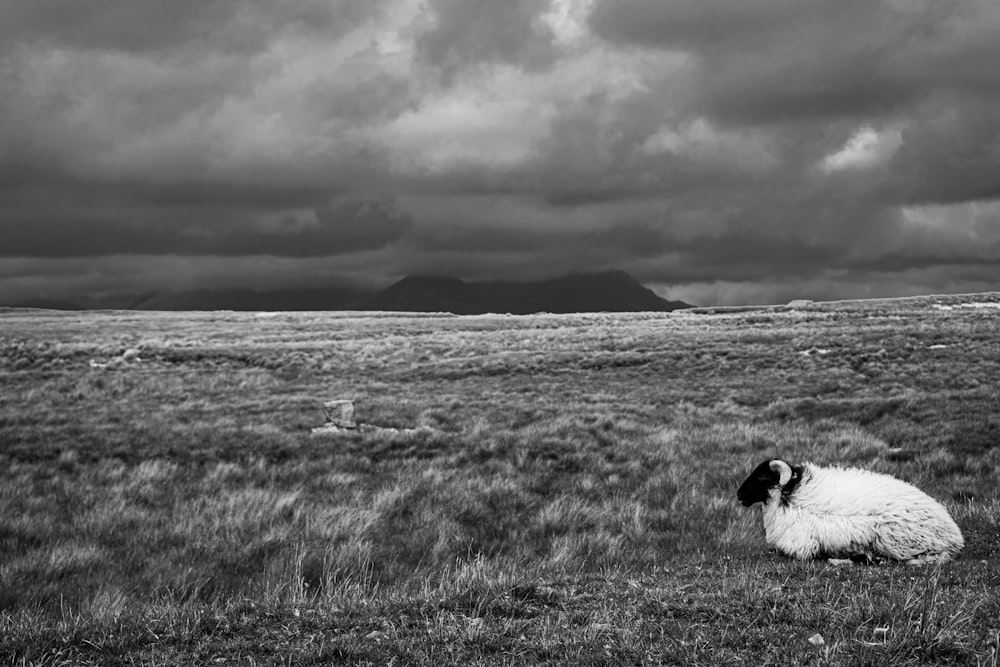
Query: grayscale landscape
[[444, 332]]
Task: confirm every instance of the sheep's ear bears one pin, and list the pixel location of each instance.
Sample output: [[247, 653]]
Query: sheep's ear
[[783, 471]]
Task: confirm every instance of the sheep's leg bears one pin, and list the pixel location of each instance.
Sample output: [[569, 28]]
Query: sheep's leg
[[928, 559], [853, 559]]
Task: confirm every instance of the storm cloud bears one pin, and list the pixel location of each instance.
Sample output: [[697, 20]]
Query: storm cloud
[[83, 229], [719, 150]]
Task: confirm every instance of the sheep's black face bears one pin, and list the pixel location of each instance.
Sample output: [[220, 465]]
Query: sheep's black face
[[756, 486]]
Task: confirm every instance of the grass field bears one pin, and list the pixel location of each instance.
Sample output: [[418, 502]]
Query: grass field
[[561, 489]]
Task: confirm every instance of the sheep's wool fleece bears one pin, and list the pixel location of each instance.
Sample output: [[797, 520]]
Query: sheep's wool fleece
[[840, 512]]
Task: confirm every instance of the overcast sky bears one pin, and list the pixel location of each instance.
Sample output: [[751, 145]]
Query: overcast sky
[[721, 151]]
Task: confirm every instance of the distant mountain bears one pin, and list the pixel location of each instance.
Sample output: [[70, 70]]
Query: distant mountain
[[425, 294], [47, 304], [115, 302], [318, 298], [610, 291]]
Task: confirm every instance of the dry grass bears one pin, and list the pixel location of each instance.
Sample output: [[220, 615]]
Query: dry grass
[[566, 495]]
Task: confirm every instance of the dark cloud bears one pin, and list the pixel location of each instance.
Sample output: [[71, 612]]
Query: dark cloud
[[781, 60], [701, 25], [345, 227], [622, 241], [475, 31], [144, 27], [949, 154], [24, 188]]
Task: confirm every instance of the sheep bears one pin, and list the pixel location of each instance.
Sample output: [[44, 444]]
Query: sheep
[[839, 513]]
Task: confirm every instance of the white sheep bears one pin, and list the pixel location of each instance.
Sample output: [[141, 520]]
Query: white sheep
[[838, 513]]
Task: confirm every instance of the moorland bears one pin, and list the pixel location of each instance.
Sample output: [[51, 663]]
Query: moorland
[[543, 489]]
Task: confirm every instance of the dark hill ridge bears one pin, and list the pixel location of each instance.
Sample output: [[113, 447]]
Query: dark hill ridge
[[610, 291], [317, 298], [424, 294]]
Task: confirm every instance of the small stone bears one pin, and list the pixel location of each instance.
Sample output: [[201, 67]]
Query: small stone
[[340, 413]]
